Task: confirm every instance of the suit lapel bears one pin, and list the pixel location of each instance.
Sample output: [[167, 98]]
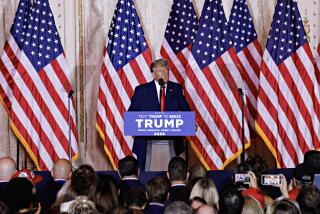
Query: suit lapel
[[169, 95], [154, 94]]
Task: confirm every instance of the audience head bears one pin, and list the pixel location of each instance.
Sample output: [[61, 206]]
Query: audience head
[[284, 206], [62, 169], [251, 206], [158, 189], [83, 180], [26, 173], [303, 174], [128, 166], [135, 199], [121, 210], [197, 202], [21, 187], [7, 168], [257, 165], [197, 171], [309, 199], [205, 209], [230, 201], [105, 197], [177, 169], [206, 189], [178, 207], [312, 159], [82, 205]]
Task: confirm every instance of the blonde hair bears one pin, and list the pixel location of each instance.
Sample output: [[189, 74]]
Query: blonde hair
[[251, 206], [206, 189], [289, 204], [197, 171], [82, 205]]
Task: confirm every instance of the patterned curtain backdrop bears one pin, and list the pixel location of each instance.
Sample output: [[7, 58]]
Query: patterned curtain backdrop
[[83, 26]]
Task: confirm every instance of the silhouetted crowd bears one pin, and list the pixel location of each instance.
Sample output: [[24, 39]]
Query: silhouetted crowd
[[183, 191]]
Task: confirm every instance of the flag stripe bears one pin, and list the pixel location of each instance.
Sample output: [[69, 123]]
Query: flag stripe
[[267, 99], [111, 113], [60, 65], [108, 141]]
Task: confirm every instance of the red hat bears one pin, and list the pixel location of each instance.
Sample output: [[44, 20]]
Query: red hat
[[25, 173]]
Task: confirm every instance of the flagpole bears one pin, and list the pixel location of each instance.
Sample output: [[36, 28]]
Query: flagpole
[[243, 157], [69, 121]]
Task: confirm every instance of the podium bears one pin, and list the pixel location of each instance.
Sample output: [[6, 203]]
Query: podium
[[158, 127], [159, 153]]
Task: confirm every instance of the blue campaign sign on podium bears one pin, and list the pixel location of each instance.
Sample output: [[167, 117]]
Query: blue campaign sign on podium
[[149, 123]]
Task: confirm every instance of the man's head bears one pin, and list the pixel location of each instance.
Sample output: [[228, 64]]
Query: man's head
[[7, 168], [309, 199], [303, 174], [231, 201], [158, 189], [205, 209], [21, 187], [177, 169], [135, 199], [312, 159], [160, 70], [128, 166], [62, 169], [83, 180], [178, 207]]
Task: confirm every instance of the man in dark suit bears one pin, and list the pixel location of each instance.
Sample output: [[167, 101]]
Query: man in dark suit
[[178, 173], [7, 169], [129, 174], [47, 192], [147, 97]]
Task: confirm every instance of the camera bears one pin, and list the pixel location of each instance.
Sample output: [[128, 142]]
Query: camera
[[241, 178], [270, 179]]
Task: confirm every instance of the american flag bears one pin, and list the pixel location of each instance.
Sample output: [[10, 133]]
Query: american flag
[[249, 51], [34, 85], [213, 79], [288, 99], [179, 35], [126, 65]]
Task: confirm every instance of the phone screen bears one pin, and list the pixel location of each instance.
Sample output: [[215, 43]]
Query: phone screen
[[270, 179], [241, 178]]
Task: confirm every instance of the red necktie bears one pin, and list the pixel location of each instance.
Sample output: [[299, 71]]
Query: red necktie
[[162, 97]]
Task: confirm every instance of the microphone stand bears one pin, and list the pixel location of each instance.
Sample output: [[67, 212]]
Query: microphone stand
[[70, 94], [242, 125]]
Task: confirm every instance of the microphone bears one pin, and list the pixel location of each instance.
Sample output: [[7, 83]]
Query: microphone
[[161, 82], [70, 93]]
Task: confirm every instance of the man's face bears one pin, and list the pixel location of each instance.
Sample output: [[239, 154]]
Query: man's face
[[160, 73]]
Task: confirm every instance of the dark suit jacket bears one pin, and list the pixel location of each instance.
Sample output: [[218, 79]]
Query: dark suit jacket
[[179, 193], [126, 185], [2, 190], [154, 209], [145, 98]]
